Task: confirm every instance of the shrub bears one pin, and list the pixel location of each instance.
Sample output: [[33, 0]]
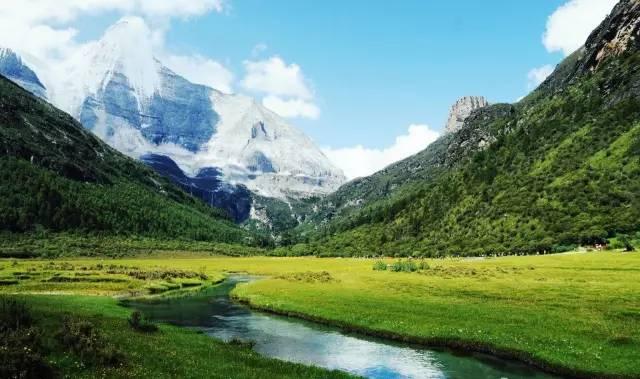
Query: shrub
[[21, 355], [423, 265], [563, 248], [141, 324], [626, 242], [404, 266], [14, 315], [380, 266], [21, 348], [83, 339]]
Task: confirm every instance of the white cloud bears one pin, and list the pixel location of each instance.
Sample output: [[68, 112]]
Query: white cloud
[[65, 11], [275, 77], [43, 31], [538, 75], [291, 107], [284, 86], [360, 161], [201, 70], [570, 25]]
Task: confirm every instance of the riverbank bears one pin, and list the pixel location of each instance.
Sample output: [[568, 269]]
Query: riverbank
[[577, 314], [87, 297], [459, 346], [573, 315], [171, 352]]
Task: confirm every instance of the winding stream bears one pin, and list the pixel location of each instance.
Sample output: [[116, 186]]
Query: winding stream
[[295, 340]]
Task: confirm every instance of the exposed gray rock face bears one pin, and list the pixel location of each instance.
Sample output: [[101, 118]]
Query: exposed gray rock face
[[12, 66], [118, 89], [615, 36], [462, 109]]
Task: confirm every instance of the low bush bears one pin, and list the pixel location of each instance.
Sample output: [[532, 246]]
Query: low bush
[[404, 266], [563, 248], [142, 324], [625, 240], [21, 355], [82, 338], [14, 315], [21, 348], [380, 266]]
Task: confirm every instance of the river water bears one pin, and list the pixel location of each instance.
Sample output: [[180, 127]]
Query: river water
[[299, 341]]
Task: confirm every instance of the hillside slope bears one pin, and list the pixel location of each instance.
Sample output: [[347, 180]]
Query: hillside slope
[[54, 174], [560, 167]]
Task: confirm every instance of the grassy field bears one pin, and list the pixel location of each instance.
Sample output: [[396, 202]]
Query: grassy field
[[88, 291], [172, 352], [578, 312]]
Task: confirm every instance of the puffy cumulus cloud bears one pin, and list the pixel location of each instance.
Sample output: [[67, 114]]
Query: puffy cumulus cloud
[[201, 70], [286, 90], [538, 75], [291, 108], [569, 26], [273, 76], [359, 161]]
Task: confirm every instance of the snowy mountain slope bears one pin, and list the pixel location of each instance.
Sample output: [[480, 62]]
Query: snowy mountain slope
[[118, 89], [207, 185], [13, 67]]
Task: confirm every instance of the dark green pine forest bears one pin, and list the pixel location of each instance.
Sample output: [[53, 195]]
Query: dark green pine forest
[[559, 168], [58, 177]]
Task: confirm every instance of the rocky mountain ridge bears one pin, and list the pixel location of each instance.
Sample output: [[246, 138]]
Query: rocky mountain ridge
[[461, 109], [557, 169], [119, 90]]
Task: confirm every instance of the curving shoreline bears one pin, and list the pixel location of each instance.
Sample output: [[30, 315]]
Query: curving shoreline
[[457, 345]]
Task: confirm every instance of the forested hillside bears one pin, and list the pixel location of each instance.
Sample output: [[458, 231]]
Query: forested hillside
[[55, 175], [559, 168]]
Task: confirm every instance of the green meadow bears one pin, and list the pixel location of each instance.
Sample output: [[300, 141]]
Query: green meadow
[[576, 314]]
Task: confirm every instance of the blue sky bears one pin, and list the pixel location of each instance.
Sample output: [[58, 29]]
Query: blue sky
[[376, 67], [354, 74]]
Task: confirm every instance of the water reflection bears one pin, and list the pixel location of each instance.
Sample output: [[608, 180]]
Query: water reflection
[[303, 342]]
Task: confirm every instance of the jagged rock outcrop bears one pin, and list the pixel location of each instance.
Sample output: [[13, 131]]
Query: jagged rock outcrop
[[13, 67], [618, 34], [462, 109]]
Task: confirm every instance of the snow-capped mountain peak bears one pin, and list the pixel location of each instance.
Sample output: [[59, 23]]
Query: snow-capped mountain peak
[[13, 67], [127, 48], [124, 51], [119, 90]]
